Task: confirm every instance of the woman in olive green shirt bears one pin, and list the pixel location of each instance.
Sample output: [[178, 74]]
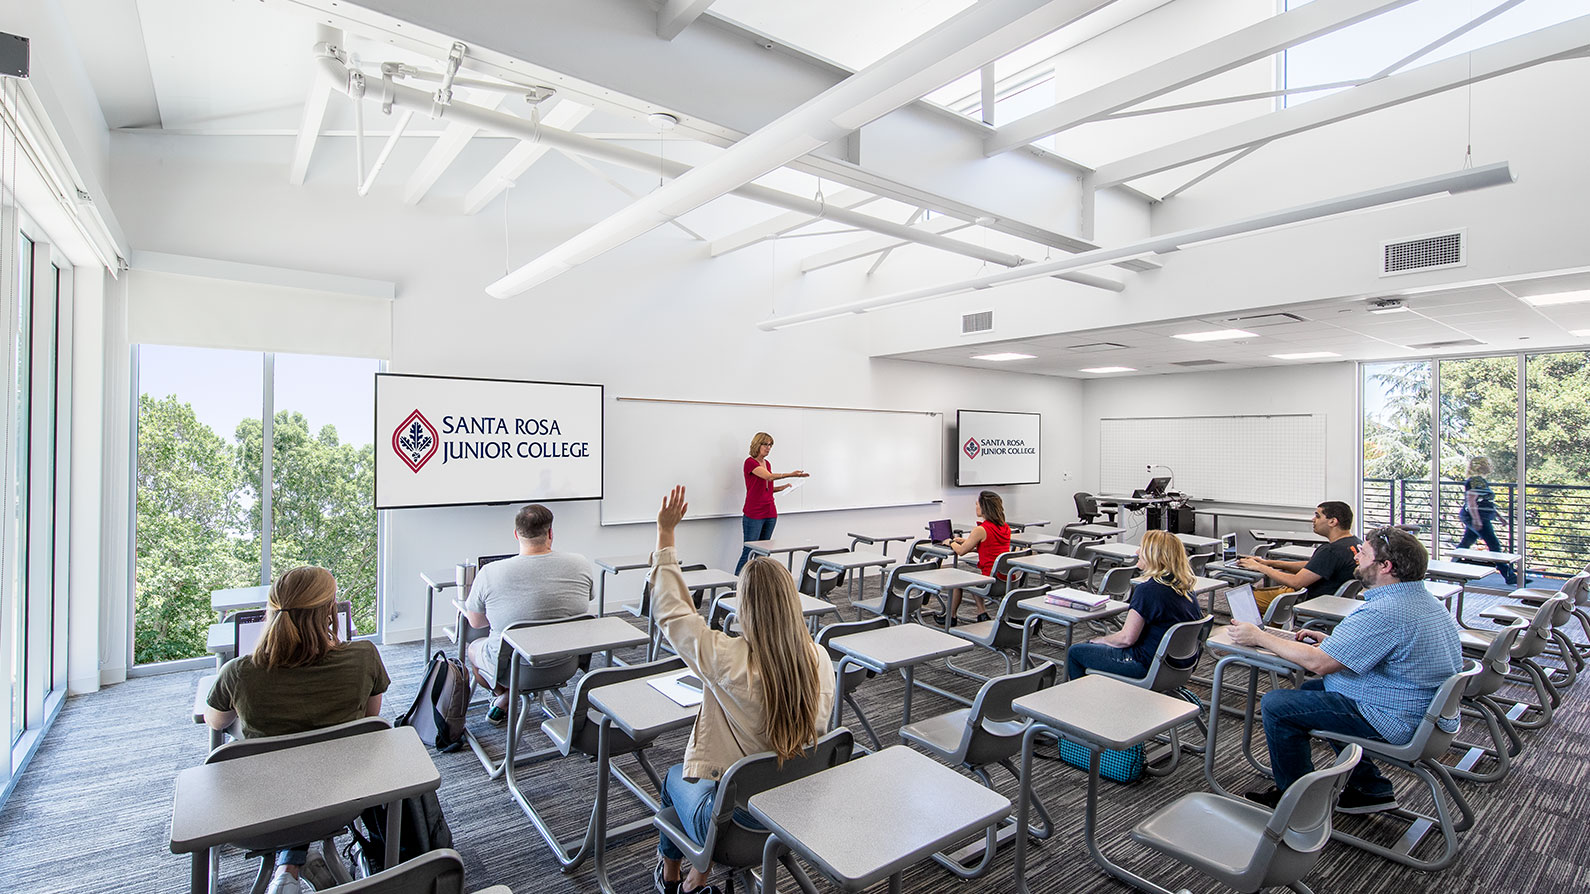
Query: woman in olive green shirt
[[299, 677]]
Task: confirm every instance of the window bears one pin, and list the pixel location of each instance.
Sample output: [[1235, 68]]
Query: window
[[213, 513]]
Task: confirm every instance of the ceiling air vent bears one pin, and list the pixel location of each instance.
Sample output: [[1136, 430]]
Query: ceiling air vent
[[977, 323], [1095, 347], [1279, 318], [1453, 343], [1197, 363], [1434, 252]]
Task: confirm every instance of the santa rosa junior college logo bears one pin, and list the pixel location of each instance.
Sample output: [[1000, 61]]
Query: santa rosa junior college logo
[[415, 441], [971, 447]]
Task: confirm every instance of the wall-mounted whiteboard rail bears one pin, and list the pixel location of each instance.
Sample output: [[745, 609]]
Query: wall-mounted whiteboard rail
[[857, 458], [1273, 460]]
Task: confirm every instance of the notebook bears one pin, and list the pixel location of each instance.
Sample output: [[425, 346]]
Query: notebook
[[939, 529], [1244, 607], [669, 685]]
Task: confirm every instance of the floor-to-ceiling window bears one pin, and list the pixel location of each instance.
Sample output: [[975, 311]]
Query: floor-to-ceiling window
[[1425, 422], [217, 508]]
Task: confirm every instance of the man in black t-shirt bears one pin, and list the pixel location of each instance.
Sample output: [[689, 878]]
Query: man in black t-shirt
[[1331, 565]]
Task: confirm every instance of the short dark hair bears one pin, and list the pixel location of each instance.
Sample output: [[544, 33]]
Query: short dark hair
[[533, 522], [1408, 557], [1338, 510]]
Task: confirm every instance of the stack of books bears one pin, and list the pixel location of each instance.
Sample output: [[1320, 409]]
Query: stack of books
[[1081, 600]]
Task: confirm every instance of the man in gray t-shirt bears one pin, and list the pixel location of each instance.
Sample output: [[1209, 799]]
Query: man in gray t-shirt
[[536, 585]]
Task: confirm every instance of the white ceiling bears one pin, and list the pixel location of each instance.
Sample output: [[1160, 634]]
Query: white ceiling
[[1495, 316]]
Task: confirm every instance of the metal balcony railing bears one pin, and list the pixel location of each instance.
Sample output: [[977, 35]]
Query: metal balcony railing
[[1556, 525]]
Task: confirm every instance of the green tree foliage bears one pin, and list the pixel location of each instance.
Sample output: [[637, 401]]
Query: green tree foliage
[[199, 504]]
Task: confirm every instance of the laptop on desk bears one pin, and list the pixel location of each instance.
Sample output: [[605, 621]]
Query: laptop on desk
[[939, 530]]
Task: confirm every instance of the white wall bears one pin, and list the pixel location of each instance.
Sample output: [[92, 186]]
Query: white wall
[[1330, 389], [650, 319]]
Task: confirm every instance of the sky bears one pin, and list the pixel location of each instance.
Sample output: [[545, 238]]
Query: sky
[[225, 387]]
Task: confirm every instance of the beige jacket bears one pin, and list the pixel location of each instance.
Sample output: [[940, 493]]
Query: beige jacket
[[732, 720]]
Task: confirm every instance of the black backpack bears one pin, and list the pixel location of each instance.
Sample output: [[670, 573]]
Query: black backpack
[[438, 710], [424, 829]]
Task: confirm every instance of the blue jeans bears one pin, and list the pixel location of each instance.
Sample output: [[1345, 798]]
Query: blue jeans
[[293, 856], [755, 529], [1289, 714], [695, 801], [1488, 533], [1095, 656]]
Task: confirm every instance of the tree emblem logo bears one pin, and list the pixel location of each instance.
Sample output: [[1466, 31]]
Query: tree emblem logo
[[415, 441], [971, 447]]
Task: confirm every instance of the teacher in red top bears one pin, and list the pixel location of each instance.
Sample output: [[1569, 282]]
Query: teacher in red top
[[759, 513]]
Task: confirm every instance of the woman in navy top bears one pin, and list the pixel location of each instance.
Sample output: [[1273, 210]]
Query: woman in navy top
[[1479, 513], [1161, 599]]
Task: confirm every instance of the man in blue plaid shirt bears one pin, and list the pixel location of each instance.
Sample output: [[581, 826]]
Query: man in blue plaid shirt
[[1377, 671]]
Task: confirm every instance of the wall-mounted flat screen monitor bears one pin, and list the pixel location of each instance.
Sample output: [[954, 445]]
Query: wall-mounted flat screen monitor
[[996, 448], [448, 441]]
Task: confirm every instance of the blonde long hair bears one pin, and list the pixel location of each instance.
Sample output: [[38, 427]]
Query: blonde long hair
[[782, 654], [298, 628], [1165, 560]]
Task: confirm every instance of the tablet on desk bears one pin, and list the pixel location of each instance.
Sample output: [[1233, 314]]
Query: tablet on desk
[[1244, 607]]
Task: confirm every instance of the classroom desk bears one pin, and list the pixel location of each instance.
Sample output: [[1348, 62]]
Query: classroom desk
[[1301, 538], [1034, 541], [1194, 542], [239, 799], [1486, 557], [1049, 563], [885, 539], [703, 585], [547, 644], [1210, 585], [201, 700], [1255, 660], [220, 640], [235, 599], [776, 546], [944, 552], [1115, 553], [873, 817], [641, 712], [615, 565], [435, 583], [938, 580], [1016, 527], [854, 561], [1460, 573], [1078, 532], [1330, 609], [901, 647], [1214, 516], [1291, 553], [811, 609], [1039, 610], [1098, 713], [1234, 570]]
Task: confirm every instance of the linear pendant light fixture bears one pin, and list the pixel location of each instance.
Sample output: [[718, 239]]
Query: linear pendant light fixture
[[1465, 180]]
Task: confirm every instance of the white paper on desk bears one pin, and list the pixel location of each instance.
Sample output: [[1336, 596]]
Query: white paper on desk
[[1244, 607], [670, 686]]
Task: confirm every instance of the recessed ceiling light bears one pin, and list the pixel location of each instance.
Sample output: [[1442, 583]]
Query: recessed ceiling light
[[1306, 355], [1215, 335], [1558, 298], [1001, 358], [1108, 369], [1389, 306], [1580, 333]]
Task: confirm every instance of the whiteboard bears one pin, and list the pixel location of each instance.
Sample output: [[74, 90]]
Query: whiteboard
[[1267, 460], [856, 458]]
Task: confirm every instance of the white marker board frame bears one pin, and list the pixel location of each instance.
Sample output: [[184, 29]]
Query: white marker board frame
[[546, 438], [1266, 460], [858, 458]]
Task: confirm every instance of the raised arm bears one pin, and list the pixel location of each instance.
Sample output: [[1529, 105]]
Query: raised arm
[[671, 606]]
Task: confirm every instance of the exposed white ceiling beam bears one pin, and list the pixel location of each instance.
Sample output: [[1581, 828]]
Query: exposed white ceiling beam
[[676, 16], [314, 114], [872, 245], [607, 178], [1555, 42], [564, 115], [780, 224], [1465, 180], [1234, 50], [963, 43], [441, 156]]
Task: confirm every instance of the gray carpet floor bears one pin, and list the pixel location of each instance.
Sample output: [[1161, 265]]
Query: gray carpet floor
[[92, 812]]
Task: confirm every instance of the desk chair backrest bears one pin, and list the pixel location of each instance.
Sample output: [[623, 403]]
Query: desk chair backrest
[[915, 554], [1087, 507], [1300, 826], [1200, 557], [818, 582], [993, 729], [1352, 588], [734, 845], [538, 677], [578, 731], [1429, 740], [1495, 662], [1279, 611], [1177, 655], [854, 673], [314, 831], [1262, 550], [645, 589], [1117, 582], [1001, 570], [1537, 636], [1008, 619], [1577, 588], [895, 588], [433, 872], [1079, 548]]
